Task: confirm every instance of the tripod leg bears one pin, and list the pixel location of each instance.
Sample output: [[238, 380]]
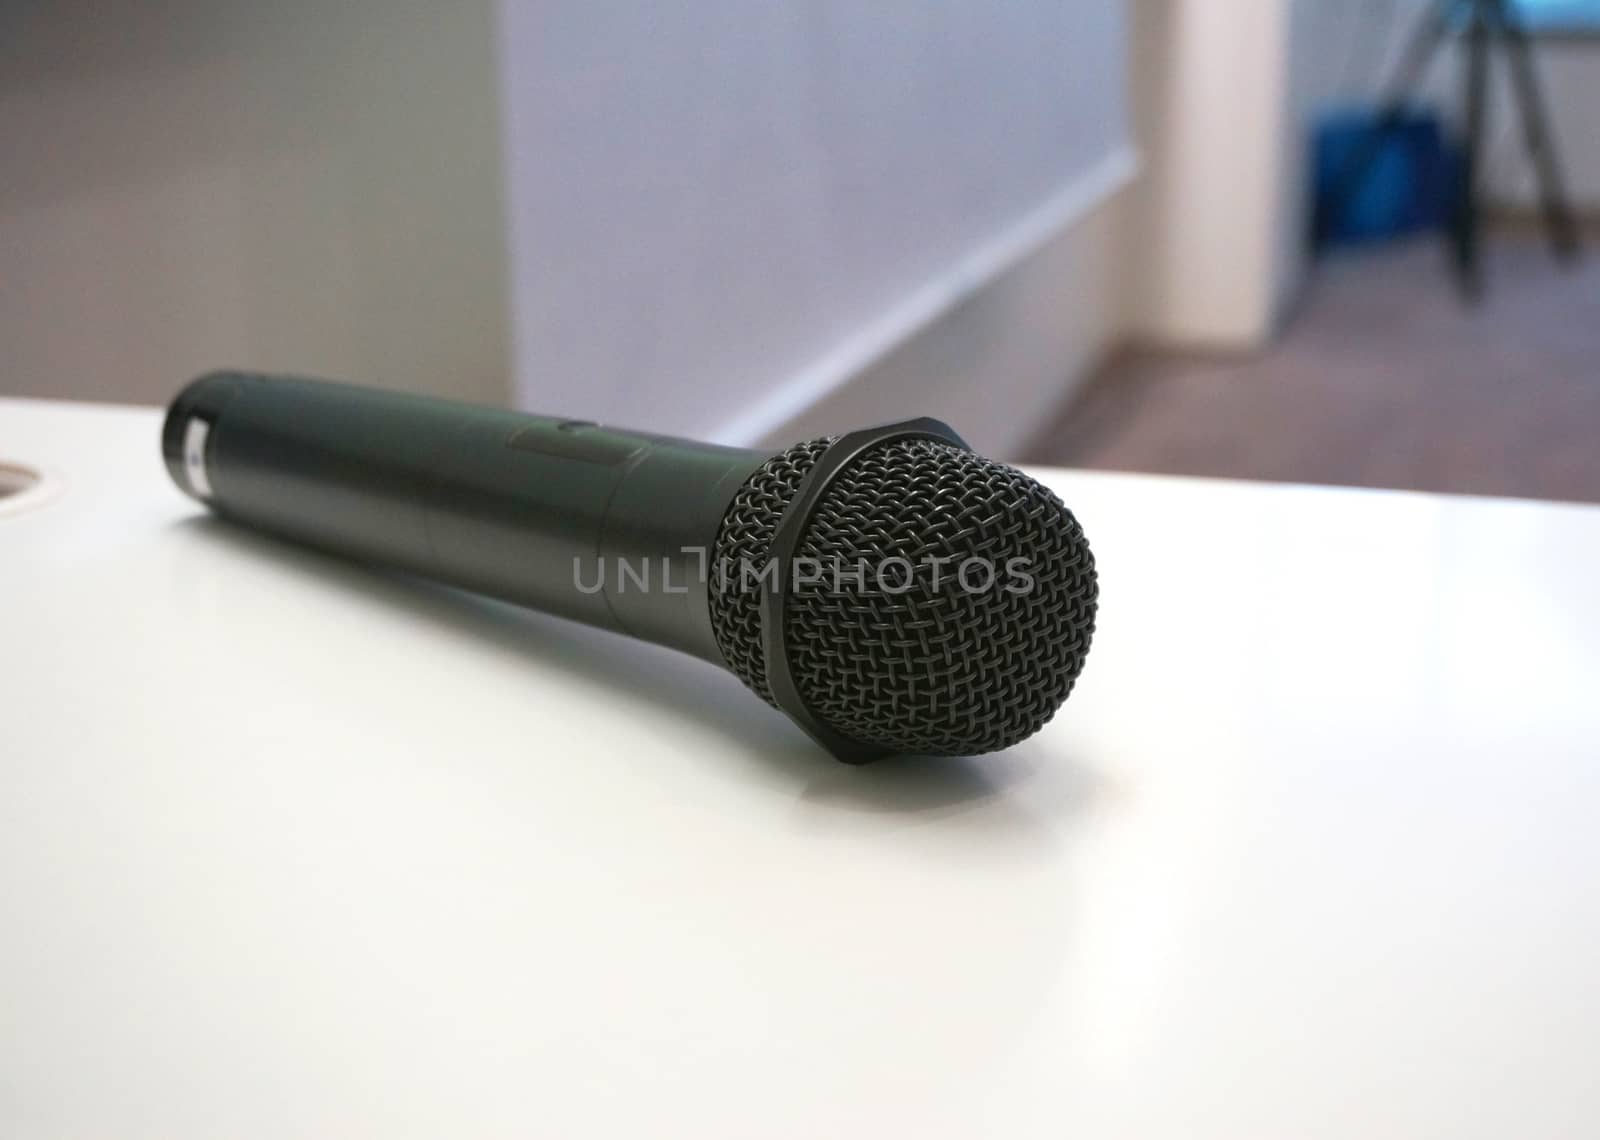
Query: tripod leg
[[1353, 172], [1469, 269], [1553, 201]]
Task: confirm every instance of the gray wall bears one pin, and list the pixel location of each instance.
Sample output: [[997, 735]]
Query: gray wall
[[705, 217], [285, 185], [711, 200]]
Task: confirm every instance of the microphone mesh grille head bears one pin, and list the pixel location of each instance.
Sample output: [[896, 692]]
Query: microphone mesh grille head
[[973, 615]]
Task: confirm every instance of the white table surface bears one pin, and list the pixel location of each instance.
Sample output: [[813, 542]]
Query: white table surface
[[289, 848]]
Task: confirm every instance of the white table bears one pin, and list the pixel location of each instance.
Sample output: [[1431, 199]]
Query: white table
[[289, 848]]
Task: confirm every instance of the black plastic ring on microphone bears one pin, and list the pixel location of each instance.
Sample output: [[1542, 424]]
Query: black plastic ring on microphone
[[785, 538]]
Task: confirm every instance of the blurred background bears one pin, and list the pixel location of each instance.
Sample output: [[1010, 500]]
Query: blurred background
[[1079, 230]]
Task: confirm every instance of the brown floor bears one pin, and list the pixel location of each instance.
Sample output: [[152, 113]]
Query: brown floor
[[1382, 379]]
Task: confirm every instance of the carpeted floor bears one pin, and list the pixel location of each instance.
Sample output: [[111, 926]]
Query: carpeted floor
[[1382, 379]]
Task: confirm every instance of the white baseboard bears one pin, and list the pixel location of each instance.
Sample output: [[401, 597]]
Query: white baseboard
[[990, 346]]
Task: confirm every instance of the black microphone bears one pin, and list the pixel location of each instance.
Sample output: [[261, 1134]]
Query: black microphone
[[888, 589]]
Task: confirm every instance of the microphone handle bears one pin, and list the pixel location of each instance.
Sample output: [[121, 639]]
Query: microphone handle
[[535, 510]]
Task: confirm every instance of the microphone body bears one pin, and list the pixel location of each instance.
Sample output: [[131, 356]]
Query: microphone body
[[887, 589], [603, 526]]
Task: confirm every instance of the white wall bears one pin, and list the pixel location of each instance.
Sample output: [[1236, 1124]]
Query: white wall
[[287, 185], [723, 213], [724, 218], [999, 362], [1209, 97]]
